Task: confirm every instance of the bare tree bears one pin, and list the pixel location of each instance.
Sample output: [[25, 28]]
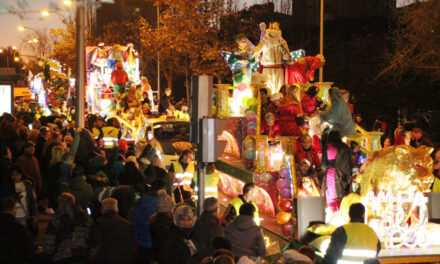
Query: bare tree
[[416, 44]]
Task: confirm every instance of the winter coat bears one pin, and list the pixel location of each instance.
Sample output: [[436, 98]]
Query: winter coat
[[160, 225], [15, 241], [8, 190], [245, 236], [117, 241], [343, 166], [31, 168], [82, 191], [145, 208], [181, 252], [71, 236], [205, 230]]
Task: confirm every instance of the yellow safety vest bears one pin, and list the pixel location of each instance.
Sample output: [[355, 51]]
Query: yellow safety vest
[[237, 202], [361, 244], [110, 135], [183, 176], [436, 185], [211, 184]]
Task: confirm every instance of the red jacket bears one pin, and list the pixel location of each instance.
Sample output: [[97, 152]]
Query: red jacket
[[311, 155], [119, 76]]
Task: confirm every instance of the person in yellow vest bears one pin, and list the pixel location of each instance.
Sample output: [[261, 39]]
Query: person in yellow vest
[[211, 181], [183, 171], [354, 242], [249, 194], [436, 184], [108, 133]]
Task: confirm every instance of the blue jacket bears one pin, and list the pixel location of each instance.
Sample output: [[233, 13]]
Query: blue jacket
[[145, 207]]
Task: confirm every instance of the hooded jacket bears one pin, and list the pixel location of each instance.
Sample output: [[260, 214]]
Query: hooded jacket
[[245, 237]]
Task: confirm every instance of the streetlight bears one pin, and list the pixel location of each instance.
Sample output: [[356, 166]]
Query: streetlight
[[46, 13], [14, 47], [16, 59], [1, 50], [67, 2], [21, 28]]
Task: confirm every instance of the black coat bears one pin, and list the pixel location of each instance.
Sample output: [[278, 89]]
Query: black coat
[[206, 229], [160, 225], [15, 241], [343, 166], [117, 240]]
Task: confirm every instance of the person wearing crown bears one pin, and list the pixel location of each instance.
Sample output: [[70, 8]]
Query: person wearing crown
[[272, 52]]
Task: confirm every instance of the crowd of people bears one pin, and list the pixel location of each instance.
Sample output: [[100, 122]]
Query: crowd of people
[[106, 205]]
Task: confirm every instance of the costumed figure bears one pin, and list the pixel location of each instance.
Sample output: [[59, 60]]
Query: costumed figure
[[96, 57], [339, 114], [310, 101], [115, 55], [307, 186], [336, 159], [290, 113], [302, 70], [130, 61], [272, 128], [271, 52], [146, 88], [131, 103], [119, 79], [242, 67]]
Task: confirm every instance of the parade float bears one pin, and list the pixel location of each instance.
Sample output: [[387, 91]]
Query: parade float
[[51, 85], [101, 62], [393, 182]]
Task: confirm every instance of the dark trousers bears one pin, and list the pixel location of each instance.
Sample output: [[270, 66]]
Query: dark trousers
[[145, 255]]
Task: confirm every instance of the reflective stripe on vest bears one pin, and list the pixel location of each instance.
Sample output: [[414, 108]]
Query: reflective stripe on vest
[[237, 202], [361, 243], [183, 176]]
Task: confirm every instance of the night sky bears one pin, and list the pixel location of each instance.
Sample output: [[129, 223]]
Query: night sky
[[10, 36]]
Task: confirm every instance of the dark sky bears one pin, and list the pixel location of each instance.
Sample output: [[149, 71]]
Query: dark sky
[[10, 36]]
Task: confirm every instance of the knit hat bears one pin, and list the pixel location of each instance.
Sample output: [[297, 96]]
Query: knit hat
[[164, 202], [122, 145], [182, 211]]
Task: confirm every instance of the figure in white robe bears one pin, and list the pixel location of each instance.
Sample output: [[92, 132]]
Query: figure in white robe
[[272, 52]]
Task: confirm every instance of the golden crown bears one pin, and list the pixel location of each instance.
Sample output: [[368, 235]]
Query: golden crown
[[274, 25]]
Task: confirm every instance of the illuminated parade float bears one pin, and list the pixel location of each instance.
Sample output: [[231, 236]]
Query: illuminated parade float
[[271, 104]]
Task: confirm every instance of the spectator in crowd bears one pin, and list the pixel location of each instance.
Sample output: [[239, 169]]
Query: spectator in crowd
[[44, 136], [145, 207], [22, 190], [245, 236], [180, 241], [354, 241], [78, 187], [132, 176], [155, 171], [5, 163], [29, 163], [248, 196], [71, 236], [117, 243], [160, 227], [15, 242], [207, 228]]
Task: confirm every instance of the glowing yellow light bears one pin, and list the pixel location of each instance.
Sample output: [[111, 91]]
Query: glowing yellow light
[[14, 47], [21, 28], [67, 2], [1, 50], [35, 40], [45, 13], [16, 58]]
